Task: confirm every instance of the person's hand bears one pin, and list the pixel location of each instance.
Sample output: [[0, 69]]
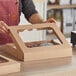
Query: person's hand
[[50, 20], [4, 28]]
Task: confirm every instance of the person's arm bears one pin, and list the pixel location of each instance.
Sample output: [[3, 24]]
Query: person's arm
[[35, 18], [31, 13]]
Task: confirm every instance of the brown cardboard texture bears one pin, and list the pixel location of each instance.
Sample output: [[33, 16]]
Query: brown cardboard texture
[[8, 65], [22, 51]]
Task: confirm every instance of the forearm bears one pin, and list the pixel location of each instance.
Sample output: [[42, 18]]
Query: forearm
[[35, 18]]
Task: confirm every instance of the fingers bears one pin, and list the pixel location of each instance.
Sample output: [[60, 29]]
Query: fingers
[[51, 20], [2, 31], [4, 24], [3, 27]]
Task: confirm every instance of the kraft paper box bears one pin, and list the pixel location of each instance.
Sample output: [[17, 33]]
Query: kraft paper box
[[57, 53]]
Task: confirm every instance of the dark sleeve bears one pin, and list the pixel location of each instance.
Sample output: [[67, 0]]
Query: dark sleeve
[[28, 8]]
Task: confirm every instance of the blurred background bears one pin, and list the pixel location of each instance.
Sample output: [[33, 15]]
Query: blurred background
[[63, 11]]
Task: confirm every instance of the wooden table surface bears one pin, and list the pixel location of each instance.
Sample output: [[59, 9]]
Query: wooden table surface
[[47, 70]]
